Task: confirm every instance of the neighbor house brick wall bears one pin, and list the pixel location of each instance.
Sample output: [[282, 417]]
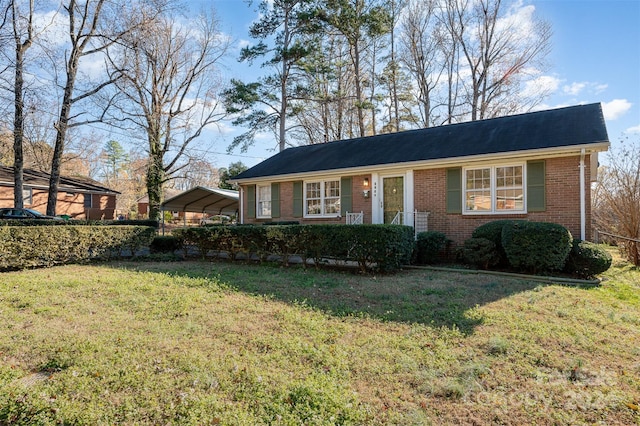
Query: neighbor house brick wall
[[358, 204], [562, 200], [69, 203]]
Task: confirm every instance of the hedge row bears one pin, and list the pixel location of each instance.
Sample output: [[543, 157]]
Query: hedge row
[[533, 247], [37, 246], [78, 222], [378, 247]]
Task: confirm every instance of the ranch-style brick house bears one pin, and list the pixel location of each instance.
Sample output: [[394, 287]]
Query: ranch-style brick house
[[78, 197], [536, 166]]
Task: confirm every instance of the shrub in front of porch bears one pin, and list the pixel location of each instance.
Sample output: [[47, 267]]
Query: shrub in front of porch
[[378, 247], [429, 246]]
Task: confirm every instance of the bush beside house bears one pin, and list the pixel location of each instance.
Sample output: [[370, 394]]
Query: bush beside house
[[377, 247], [587, 259], [537, 247], [429, 247]]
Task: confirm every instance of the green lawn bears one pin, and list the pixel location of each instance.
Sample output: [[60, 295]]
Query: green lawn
[[234, 344]]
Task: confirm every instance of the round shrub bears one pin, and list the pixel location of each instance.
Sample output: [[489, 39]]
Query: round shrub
[[492, 231], [536, 246], [480, 252], [429, 245], [587, 259]]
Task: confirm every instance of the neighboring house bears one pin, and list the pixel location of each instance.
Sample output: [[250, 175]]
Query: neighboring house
[[536, 166], [78, 197]]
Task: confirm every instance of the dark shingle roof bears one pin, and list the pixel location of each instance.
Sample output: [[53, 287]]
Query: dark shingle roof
[[556, 128], [35, 178]]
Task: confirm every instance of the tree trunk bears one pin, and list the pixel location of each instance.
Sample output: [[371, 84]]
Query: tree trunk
[[358, 84], [18, 131], [18, 117], [155, 171], [155, 178], [61, 133]]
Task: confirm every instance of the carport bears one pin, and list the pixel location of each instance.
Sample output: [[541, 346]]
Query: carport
[[214, 201]]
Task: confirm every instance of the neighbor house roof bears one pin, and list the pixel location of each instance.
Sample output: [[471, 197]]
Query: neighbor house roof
[[204, 200], [37, 179], [544, 131]]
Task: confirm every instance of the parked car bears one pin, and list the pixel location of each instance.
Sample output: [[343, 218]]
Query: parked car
[[28, 214], [216, 219]]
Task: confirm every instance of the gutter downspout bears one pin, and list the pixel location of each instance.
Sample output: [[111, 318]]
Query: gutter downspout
[[240, 204], [583, 202]]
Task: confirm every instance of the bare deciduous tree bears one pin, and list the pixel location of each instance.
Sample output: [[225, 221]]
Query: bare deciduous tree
[[420, 50], [17, 37], [169, 87], [93, 27], [23, 38], [498, 53], [616, 198]]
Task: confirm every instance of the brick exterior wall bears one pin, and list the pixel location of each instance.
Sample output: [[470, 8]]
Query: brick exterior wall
[[72, 204], [358, 204], [562, 201], [562, 195]]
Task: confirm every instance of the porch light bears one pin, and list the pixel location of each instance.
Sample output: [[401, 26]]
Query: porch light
[[365, 183]]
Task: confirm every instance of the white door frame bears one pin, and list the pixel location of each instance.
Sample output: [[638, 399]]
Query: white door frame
[[377, 201]]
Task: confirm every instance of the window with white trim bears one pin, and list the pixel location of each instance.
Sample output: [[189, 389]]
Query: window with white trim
[[494, 189], [322, 198], [263, 201]]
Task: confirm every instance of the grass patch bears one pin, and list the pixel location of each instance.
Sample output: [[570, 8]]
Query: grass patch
[[233, 344]]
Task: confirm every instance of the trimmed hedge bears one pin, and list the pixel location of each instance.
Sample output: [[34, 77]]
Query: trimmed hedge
[[587, 259], [37, 246], [378, 247], [536, 246], [78, 222], [480, 252], [492, 231], [429, 245]]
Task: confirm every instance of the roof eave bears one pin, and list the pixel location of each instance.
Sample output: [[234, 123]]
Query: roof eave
[[530, 154], [65, 188]]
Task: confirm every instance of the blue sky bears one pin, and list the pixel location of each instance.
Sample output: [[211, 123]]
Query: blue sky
[[595, 57]]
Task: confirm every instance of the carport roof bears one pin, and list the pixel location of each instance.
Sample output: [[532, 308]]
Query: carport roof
[[204, 200]]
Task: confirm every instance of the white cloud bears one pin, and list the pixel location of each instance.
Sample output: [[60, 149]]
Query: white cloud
[[224, 128], [598, 88], [242, 43], [616, 108], [542, 84], [634, 129], [574, 88]]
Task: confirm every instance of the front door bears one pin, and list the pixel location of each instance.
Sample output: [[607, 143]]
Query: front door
[[392, 197]]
